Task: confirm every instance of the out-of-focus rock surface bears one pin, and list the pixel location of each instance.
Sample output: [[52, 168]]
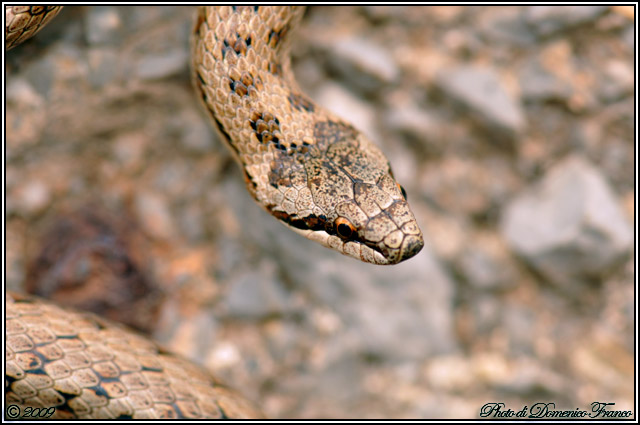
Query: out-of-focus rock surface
[[570, 226], [511, 129]]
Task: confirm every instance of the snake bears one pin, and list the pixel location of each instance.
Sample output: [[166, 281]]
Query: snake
[[313, 171]]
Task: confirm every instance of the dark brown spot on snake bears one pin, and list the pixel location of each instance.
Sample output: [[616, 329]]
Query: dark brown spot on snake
[[327, 133], [301, 103]]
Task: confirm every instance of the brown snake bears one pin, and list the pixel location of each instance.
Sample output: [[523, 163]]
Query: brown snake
[[310, 169]]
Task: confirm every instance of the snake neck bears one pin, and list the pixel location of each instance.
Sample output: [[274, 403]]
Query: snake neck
[[314, 172]]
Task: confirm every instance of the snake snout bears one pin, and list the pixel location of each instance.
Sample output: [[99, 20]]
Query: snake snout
[[402, 239], [411, 245], [390, 228]]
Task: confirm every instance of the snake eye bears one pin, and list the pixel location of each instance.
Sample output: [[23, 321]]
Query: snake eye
[[404, 192], [344, 228]]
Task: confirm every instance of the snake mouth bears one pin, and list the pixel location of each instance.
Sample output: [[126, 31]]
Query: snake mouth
[[368, 252], [411, 245]]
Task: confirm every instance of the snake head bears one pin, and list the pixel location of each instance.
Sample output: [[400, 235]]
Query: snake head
[[354, 204], [377, 225]]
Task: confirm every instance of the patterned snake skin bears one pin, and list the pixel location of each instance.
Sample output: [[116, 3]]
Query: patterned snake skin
[[23, 22], [87, 367], [310, 169]]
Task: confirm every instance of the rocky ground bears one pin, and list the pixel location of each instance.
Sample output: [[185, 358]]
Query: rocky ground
[[511, 128]]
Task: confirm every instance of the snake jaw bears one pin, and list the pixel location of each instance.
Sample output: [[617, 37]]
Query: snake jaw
[[352, 249], [398, 245], [411, 246]]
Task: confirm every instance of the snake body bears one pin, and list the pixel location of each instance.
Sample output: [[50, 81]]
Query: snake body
[[313, 171], [23, 22], [81, 366]]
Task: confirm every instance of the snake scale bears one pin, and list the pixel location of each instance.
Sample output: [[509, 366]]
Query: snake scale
[[311, 170]]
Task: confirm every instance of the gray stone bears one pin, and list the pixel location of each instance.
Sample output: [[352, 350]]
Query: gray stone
[[103, 66], [629, 37], [486, 316], [103, 25], [30, 197], [383, 308], [154, 214], [481, 91], [484, 271], [618, 80], [62, 61], [506, 25], [538, 84], [162, 65], [41, 74], [569, 226], [385, 13], [364, 65], [197, 137], [519, 322], [344, 104], [25, 117], [547, 20], [421, 126], [257, 294]]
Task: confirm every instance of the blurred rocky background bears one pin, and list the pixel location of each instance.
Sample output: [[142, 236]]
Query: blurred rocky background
[[511, 129]]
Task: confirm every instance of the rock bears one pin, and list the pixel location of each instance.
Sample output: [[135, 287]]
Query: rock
[[365, 66], [30, 197], [103, 66], [162, 65], [385, 13], [540, 85], [25, 116], [618, 80], [450, 373], [569, 226], [40, 74], [548, 20], [629, 37], [468, 186], [484, 263], [385, 308], [103, 25], [197, 136], [505, 25], [529, 379], [481, 91], [485, 317], [421, 127], [519, 321], [257, 294], [355, 111], [15, 271], [154, 214]]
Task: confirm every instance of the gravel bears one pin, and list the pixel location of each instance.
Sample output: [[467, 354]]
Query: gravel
[[512, 132]]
